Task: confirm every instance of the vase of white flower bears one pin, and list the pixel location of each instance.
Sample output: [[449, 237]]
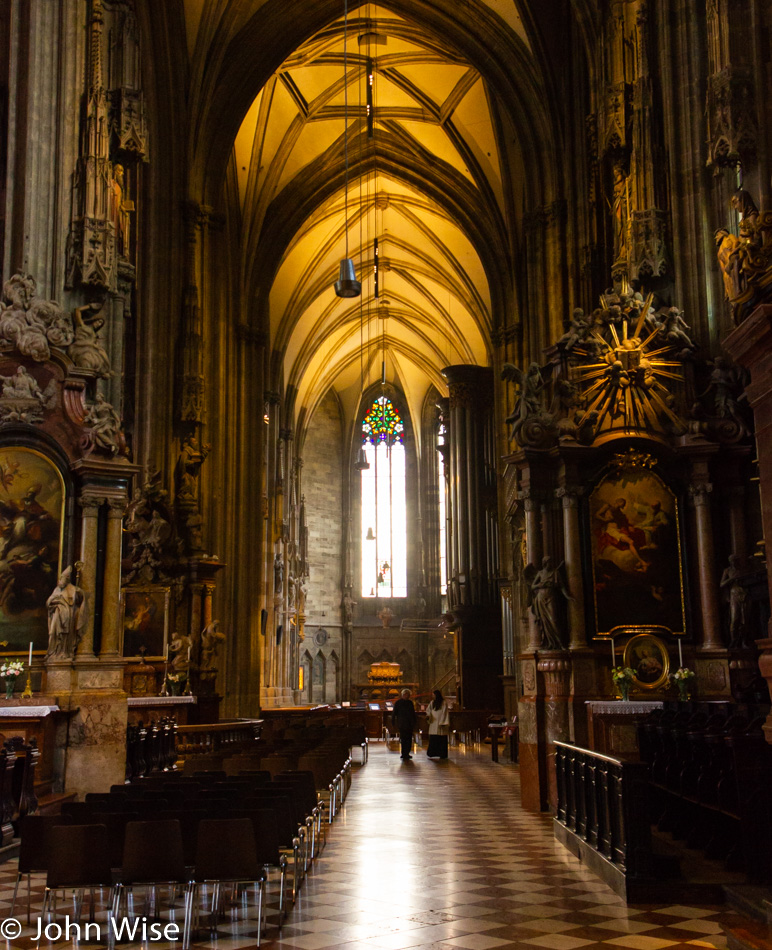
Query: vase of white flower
[[682, 680], [10, 673], [623, 678]]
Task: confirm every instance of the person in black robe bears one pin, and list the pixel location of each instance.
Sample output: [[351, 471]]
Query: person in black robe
[[403, 718]]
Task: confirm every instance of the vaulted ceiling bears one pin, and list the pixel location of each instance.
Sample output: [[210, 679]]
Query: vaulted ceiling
[[426, 161]]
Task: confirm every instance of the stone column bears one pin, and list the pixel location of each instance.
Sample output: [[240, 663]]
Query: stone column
[[750, 345], [89, 527], [573, 557], [474, 596], [737, 527], [709, 608], [111, 580]]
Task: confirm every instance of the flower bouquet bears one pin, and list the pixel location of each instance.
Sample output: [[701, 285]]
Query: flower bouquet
[[682, 679], [9, 672], [623, 678]]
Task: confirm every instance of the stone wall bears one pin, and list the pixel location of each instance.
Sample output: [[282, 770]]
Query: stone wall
[[323, 476]]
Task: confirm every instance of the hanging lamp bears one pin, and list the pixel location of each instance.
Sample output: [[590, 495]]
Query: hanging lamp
[[347, 284], [361, 463], [370, 535]]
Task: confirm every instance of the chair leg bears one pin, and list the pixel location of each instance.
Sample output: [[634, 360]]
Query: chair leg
[[259, 910], [15, 892]]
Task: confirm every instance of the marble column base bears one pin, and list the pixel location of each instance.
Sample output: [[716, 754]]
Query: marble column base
[[713, 679], [94, 753]]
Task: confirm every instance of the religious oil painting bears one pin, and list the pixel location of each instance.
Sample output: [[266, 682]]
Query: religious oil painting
[[646, 655], [145, 621], [636, 553], [31, 527]]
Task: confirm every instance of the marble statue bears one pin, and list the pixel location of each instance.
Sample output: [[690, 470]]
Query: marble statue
[[211, 638], [530, 411], [547, 589], [104, 425], [179, 649], [278, 573], [192, 457], [30, 323], [86, 350], [67, 615]]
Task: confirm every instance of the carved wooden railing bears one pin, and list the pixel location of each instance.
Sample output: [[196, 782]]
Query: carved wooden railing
[[218, 736], [602, 800], [151, 748], [156, 746]]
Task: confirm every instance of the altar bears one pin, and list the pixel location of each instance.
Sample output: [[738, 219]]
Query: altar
[[612, 726]]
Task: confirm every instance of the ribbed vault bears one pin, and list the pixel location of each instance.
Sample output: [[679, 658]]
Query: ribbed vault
[[435, 181]]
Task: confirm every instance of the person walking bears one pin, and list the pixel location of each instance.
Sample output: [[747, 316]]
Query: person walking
[[403, 718], [438, 719]]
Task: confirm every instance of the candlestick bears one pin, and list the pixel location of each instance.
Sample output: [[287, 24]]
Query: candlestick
[[613, 657], [30, 654], [680, 655]]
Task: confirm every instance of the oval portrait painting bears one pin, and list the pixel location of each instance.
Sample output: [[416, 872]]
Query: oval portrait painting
[[31, 524]]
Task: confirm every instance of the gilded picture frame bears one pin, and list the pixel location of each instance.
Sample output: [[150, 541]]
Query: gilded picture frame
[[636, 557], [647, 656], [32, 523], [145, 621]]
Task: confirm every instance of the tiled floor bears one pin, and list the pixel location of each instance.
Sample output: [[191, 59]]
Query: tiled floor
[[437, 855]]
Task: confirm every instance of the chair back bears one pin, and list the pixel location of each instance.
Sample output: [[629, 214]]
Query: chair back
[[79, 857], [153, 852], [264, 825], [225, 851], [35, 841]]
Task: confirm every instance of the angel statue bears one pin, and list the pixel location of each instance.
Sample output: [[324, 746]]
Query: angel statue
[[530, 402], [546, 587]]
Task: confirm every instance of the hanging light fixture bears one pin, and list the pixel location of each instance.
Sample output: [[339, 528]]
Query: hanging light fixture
[[361, 463], [347, 284], [370, 535]]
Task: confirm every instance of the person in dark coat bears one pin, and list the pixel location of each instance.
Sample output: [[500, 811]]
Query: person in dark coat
[[404, 719]]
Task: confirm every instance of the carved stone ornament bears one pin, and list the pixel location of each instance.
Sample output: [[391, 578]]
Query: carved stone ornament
[[150, 533], [648, 248], [22, 399], [211, 639], [745, 261], [29, 323], [104, 432], [731, 115]]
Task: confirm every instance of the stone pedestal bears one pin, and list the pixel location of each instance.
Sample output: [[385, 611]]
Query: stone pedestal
[[555, 668], [533, 776]]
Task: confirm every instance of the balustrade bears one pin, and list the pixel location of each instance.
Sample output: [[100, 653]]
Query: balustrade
[[602, 803]]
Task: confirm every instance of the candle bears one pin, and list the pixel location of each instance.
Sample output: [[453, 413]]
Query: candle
[[30, 655], [613, 658], [680, 655]]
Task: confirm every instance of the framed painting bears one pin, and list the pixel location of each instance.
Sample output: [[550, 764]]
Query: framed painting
[[647, 657], [637, 571], [145, 621], [31, 539]]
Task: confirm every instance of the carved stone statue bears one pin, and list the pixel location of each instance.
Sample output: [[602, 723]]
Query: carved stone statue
[[86, 351], [348, 603], [211, 638], [672, 326], [120, 212], [67, 615], [577, 332], [530, 421], [726, 384], [737, 594], [745, 261], [620, 207], [278, 573], [104, 425], [192, 457], [179, 649], [547, 590]]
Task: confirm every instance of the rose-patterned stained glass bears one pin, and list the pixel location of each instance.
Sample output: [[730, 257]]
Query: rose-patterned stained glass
[[382, 423]]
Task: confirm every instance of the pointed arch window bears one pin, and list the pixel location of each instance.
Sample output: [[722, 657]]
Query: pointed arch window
[[384, 513]]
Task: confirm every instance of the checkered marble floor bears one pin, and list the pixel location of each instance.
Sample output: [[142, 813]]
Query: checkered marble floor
[[439, 855]]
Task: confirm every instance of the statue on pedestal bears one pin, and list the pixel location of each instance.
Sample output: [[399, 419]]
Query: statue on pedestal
[[67, 615], [211, 638], [734, 588], [547, 586]]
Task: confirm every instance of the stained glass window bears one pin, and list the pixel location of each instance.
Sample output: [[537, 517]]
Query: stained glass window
[[384, 512], [382, 423]]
